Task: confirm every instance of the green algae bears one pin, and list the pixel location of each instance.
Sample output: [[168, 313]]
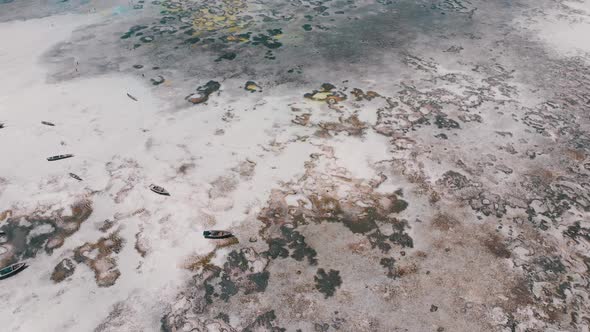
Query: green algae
[[228, 288], [267, 41], [264, 322], [223, 316], [133, 30], [276, 248], [389, 264], [192, 40], [260, 280], [294, 240], [300, 248], [237, 259], [444, 122], [226, 56], [326, 283], [398, 206]]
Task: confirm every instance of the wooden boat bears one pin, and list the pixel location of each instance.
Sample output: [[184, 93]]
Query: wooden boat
[[47, 123], [159, 190], [132, 98], [11, 270], [75, 177], [217, 234], [60, 156]]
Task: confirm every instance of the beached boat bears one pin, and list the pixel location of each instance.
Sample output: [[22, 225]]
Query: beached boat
[[75, 177], [217, 234], [12, 270], [132, 98], [159, 190], [60, 156]]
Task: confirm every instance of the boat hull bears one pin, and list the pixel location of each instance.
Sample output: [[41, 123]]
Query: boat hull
[[159, 190], [60, 157], [217, 234], [17, 268]]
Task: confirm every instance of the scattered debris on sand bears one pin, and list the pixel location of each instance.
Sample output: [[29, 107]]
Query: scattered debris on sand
[[203, 92], [327, 93], [252, 87]]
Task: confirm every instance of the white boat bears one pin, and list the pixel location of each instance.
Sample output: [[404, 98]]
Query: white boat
[[159, 190]]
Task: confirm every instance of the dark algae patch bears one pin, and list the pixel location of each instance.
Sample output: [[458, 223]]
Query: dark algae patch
[[267, 40], [41, 233], [276, 248], [578, 233], [293, 240], [133, 30], [389, 264], [226, 56], [362, 224], [223, 316], [398, 205], [192, 40], [228, 287], [297, 243], [236, 259], [327, 283], [260, 280], [264, 322], [444, 122]]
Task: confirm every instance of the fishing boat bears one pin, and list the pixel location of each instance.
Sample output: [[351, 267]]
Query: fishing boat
[[75, 177], [159, 190], [60, 156], [47, 123], [217, 234], [11, 270], [132, 98]]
